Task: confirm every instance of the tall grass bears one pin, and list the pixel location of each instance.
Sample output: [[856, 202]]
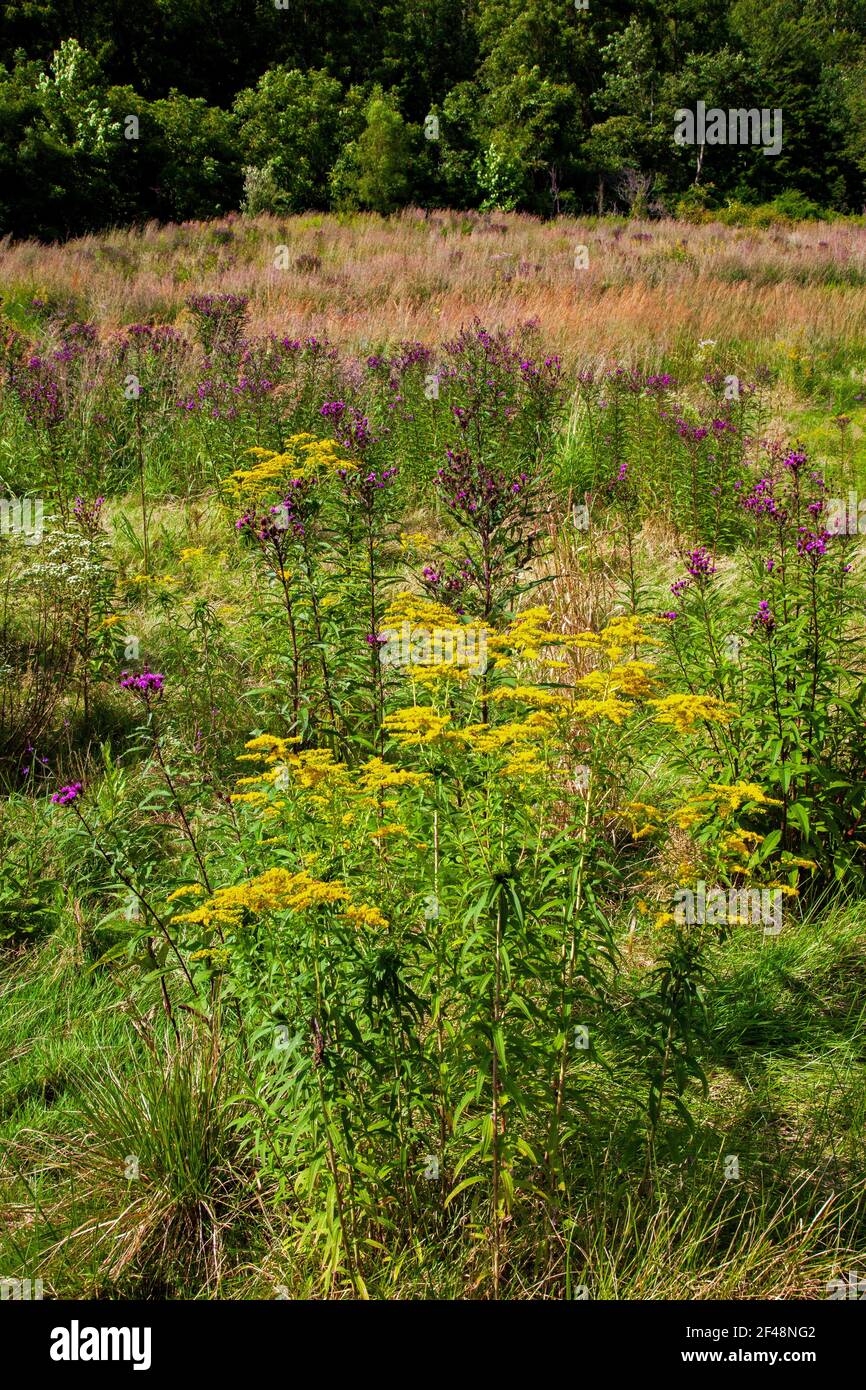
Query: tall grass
[[366, 280]]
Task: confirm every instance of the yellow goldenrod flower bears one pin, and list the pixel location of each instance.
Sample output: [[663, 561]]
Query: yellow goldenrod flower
[[363, 915], [442, 673], [268, 748], [186, 891], [607, 707], [786, 889], [376, 775], [641, 817], [218, 955], [523, 763], [276, 890], [533, 695], [623, 632], [415, 725], [486, 738], [305, 456], [684, 817], [684, 711], [730, 798]]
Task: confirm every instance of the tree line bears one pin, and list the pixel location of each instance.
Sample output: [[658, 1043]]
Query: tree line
[[180, 109]]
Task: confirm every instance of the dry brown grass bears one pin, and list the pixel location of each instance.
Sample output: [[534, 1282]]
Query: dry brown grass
[[366, 278]]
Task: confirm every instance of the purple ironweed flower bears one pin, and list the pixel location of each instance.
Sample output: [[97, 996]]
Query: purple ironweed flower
[[794, 460], [670, 615], [771, 565], [629, 380], [148, 684], [764, 617], [277, 521], [474, 490], [453, 583], [67, 794], [695, 433], [410, 354], [39, 392], [700, 564], [364, 487], [87, 514], [812, 544], [762, 502], [215, 305], [351, 428]]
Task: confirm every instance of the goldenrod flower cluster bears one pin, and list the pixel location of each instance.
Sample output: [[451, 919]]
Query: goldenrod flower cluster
[[385, 831], [188, 890], [376, 775], [729, 798], [155, 579], [494, 738], [523, 764], [535, 696], [416, 725], [642, 818], [684, 711], [276, 890], [305, 456], [365, 915], [268, 748], [218, 956]]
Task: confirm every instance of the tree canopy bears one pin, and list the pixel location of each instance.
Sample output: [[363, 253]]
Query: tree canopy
[[539, 105]]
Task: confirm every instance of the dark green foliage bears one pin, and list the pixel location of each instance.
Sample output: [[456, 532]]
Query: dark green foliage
[[541, 106]]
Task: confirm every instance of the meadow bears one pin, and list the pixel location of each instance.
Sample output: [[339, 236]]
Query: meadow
[[432, 759]]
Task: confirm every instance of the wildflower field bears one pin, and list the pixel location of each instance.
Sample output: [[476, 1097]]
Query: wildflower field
[[432, 759]]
